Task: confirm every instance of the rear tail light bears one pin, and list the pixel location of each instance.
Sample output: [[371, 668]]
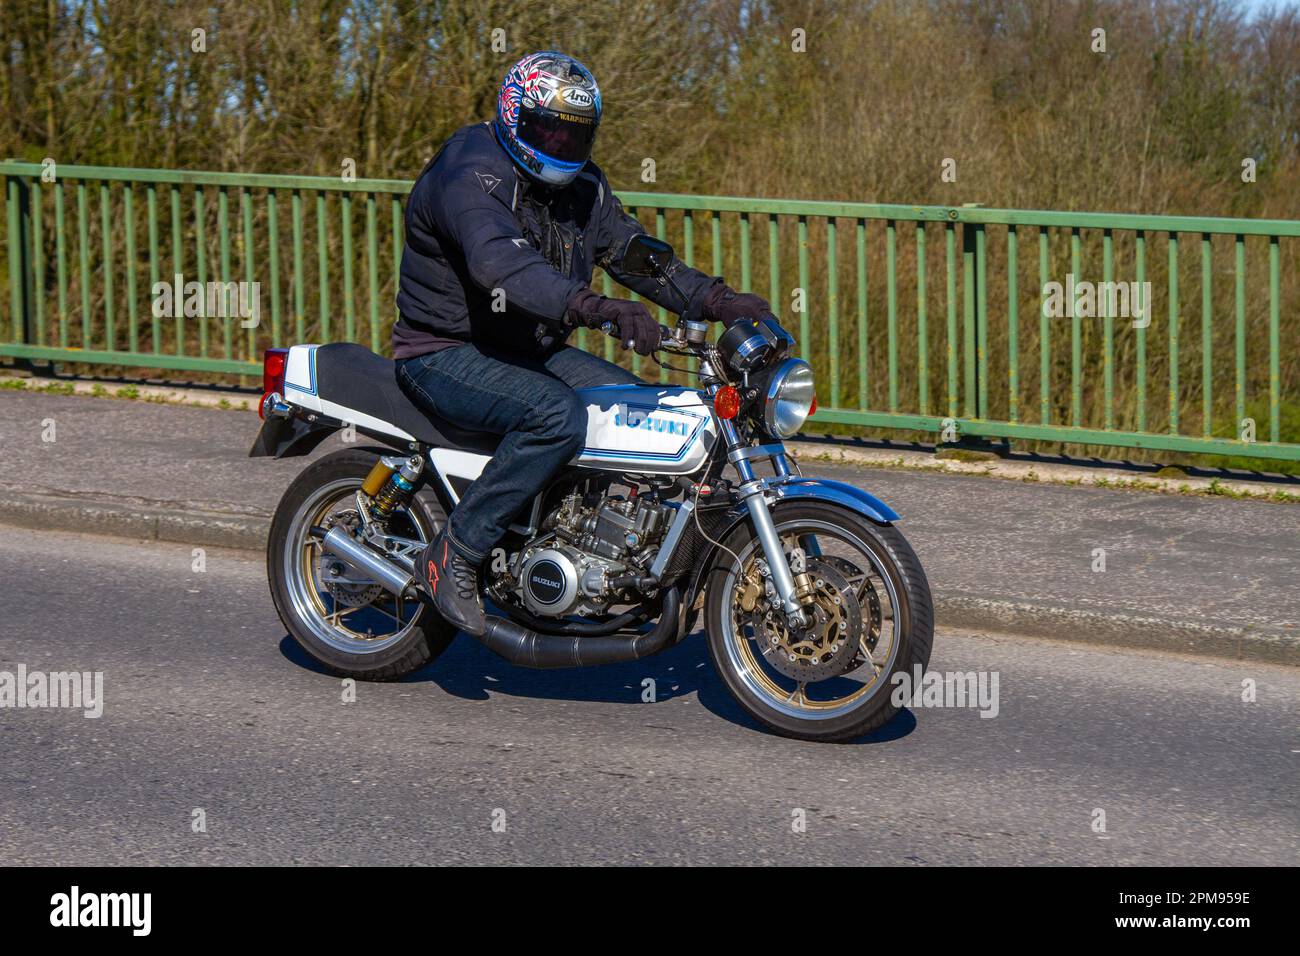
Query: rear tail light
[[274, 363], [812, 409]]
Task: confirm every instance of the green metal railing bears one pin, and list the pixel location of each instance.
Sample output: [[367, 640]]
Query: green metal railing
[[893, 347]]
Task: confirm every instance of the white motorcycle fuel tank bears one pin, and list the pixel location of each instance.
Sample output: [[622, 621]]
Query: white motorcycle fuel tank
[[648, 429]]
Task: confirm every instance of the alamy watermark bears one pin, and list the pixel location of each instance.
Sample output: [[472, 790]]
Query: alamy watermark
[[133, 911], [208, 300], [933, 689], [1098, 300], [79, 690]]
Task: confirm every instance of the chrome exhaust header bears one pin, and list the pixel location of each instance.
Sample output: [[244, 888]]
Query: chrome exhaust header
[[359, 558]]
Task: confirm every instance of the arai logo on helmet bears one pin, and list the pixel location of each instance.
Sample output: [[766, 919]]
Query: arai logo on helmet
[[637, 419], [576, 96]]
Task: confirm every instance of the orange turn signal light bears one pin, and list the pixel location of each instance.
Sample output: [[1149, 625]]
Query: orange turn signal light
[[726, 403]]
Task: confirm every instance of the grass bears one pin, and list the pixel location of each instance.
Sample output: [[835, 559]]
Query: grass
[[128, 392], [965, 454]]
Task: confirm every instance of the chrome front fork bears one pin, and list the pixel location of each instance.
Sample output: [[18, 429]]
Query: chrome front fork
[[751, 490], [777, 563]]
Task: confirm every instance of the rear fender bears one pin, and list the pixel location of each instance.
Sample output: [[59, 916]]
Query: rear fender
[[289, 437]]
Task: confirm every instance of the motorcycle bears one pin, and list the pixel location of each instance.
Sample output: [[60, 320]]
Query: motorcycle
[[683, 502]]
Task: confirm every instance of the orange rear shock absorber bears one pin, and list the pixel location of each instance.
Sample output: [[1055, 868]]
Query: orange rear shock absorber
[[396, 485]]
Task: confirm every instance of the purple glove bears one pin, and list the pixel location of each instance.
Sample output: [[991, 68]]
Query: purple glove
[[631, 322], [724, 304]]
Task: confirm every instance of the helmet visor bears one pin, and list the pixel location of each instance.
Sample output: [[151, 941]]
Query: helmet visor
[[562, 136]]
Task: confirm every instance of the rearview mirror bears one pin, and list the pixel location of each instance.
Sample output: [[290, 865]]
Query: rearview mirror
[[646, 256]]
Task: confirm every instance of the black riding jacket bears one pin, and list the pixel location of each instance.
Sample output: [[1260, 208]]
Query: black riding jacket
[[493, 257]]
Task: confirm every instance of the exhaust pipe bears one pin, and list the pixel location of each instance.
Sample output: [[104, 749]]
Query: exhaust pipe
[[528, 648], [516, 643], [361, 559]]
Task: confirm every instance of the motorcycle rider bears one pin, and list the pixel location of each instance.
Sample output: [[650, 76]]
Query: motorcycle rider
[[503, 229]]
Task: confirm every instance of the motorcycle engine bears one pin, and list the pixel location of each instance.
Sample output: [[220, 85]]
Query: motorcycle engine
[[591, 539]]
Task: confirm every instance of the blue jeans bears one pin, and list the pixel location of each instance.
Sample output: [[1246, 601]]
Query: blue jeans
[[530, 401]]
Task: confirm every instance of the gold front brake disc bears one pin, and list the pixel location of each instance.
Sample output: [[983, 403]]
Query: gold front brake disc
[[828, 646]]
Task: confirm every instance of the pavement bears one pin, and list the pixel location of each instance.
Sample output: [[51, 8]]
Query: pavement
[[1096, 756], [1182, 573]]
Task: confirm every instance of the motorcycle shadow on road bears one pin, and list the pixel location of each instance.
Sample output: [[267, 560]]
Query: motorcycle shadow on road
[[470, 671]]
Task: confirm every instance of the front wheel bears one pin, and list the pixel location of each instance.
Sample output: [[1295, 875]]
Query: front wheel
[[870, 617]]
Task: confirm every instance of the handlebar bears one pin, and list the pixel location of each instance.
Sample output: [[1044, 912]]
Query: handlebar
[[665, 333]]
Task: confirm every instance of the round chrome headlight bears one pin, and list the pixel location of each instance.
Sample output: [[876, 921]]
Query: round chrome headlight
[[790, 396]]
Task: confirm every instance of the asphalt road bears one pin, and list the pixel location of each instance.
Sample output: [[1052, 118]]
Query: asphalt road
[[207, 705]]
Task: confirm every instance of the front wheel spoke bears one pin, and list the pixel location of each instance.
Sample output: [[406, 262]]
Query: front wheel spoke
[[861, 659], [799, 696]]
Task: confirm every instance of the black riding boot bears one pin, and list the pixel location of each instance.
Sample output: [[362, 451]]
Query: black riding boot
[[450, 583]]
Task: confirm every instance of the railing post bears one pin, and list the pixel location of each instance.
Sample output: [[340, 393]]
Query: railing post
[[972, 286], [18, 209]]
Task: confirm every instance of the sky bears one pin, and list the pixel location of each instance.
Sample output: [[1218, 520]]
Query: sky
[[1252, 6]]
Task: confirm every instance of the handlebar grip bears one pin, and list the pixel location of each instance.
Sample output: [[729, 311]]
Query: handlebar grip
[[666, 334]]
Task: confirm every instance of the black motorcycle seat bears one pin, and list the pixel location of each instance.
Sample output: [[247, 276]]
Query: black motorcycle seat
[[352, 375]]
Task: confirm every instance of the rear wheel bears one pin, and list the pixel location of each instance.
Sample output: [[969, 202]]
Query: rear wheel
[[870, 614], [345, 621]]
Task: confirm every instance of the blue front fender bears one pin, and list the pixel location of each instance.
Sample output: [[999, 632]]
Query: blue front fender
[[835, 492], [799, 489]]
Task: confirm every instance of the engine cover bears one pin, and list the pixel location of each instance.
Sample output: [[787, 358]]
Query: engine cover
[[591, 540], [550, 582]]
